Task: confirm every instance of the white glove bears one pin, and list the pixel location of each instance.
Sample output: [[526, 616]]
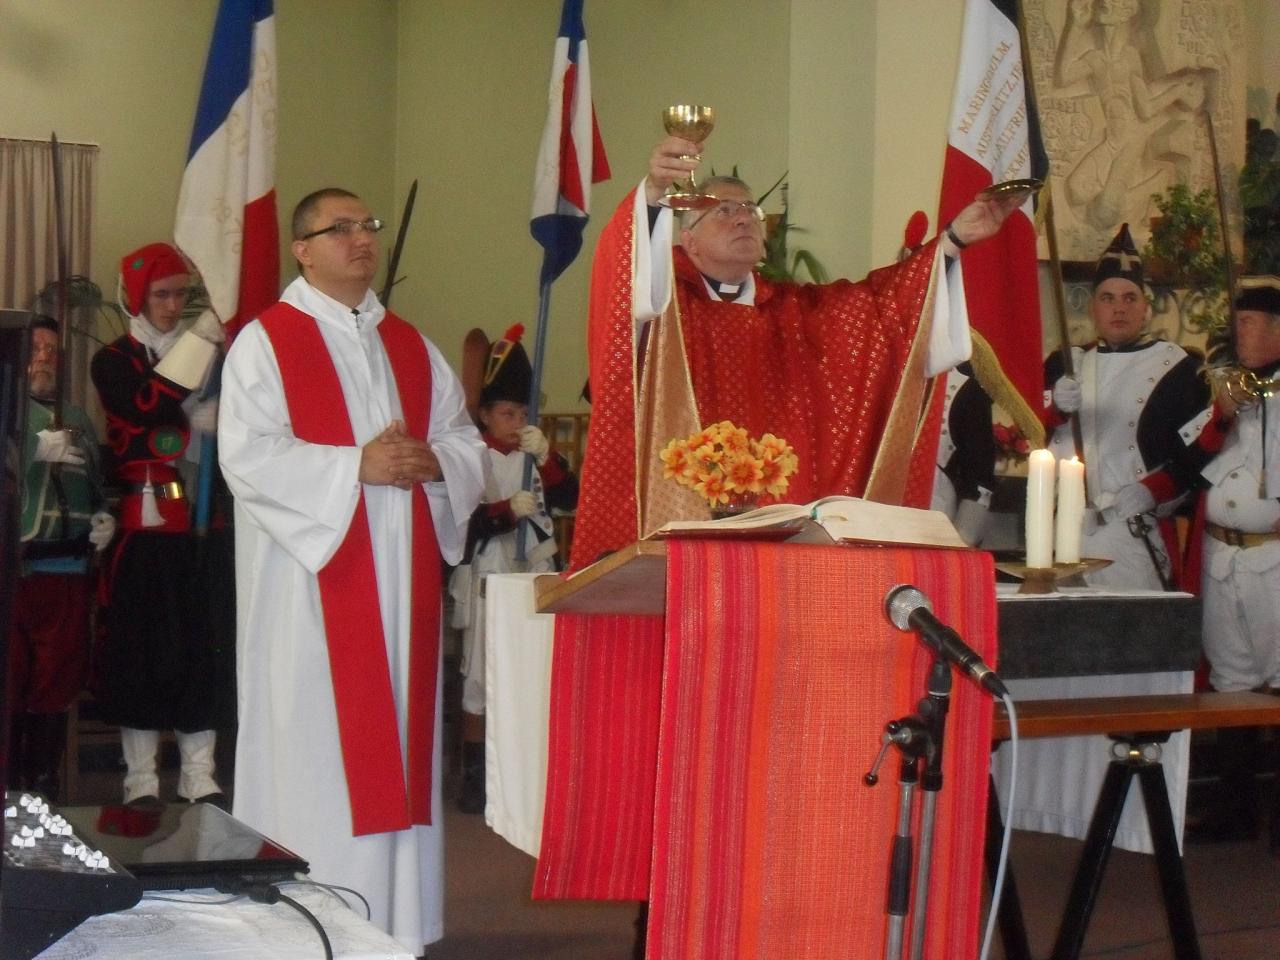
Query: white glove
[[1092, 515], [209, 327], [1067, 394], [533, 441], [102, 527], [1133, 500], [523, 504], [58, 446], [204, 416]]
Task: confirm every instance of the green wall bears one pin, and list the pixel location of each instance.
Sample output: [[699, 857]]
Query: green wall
[[473, 100], [850, 96], [125, 74]]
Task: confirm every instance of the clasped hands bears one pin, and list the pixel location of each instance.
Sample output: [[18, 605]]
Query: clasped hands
[[393, 458]]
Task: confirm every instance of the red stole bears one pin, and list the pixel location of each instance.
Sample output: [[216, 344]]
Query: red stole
[[362, 685]]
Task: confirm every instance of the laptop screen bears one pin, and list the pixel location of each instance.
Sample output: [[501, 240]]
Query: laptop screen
[[183, 845]]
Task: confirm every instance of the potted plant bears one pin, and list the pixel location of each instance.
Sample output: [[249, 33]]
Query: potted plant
[[1184, 254]]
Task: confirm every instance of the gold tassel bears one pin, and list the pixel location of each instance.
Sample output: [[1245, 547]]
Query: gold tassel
[[992, 379]]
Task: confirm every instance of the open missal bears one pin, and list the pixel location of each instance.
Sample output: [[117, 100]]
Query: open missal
[[829, 520]]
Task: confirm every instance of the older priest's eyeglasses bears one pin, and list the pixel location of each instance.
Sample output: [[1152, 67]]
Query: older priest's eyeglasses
[[728, 210], [345, 228]]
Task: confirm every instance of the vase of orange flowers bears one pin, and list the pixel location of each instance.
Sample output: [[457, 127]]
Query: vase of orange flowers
[[731, 470]]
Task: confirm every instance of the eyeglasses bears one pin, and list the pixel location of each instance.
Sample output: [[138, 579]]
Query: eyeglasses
[[345, 228], [728, 210]]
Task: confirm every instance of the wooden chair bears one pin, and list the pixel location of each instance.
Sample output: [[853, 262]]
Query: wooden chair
[[567, 434]]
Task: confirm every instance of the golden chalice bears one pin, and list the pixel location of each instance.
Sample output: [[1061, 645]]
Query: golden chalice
[[691, 123]]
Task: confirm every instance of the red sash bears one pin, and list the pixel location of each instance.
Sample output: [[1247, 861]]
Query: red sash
[[362, 685]]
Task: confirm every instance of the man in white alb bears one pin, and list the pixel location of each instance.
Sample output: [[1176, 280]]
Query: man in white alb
[[344, 436]]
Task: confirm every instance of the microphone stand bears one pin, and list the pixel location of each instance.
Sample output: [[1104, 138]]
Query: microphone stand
[[910, 736], [918, 736], [934, 708]]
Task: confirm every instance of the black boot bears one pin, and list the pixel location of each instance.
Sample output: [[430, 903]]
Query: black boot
[[1233, 817], [472, 798], [46, 743]]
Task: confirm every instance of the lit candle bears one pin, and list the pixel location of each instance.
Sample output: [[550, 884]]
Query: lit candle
[[1070, 519], [1040, 509]]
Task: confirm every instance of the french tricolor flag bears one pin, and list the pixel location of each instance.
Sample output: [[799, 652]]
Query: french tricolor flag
[[226, 222], [994, 135], [571, 157]]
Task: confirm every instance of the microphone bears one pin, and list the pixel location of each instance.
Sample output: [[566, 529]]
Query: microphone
[[909, 609]]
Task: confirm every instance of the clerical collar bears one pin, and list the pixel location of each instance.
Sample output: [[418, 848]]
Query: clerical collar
[[1133, 346], [725, 291]]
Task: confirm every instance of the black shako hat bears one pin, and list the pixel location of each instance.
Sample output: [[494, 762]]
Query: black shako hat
[[1259, 293], [1119, 260], [507, 373]]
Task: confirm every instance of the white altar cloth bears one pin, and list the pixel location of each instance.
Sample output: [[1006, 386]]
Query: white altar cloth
[[206, 928]]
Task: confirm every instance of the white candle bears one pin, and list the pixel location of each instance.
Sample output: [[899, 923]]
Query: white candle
[[1040, 509], [1070, 519]]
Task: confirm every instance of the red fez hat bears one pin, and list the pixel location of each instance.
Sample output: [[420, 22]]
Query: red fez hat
[[138, 270]]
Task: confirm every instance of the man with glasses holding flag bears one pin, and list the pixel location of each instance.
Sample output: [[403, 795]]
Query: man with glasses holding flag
[[355, 467]]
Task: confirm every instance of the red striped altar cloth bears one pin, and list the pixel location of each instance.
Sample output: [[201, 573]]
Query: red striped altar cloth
[[711, 761]]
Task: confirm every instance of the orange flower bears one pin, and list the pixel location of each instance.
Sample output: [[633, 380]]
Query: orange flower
[[743, 474], [773, 478], [773, 447], [675, 459], [712, 488], [723, 464], [734, 439]]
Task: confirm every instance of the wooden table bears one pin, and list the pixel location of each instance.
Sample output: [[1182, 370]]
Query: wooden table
[[1137, 724]]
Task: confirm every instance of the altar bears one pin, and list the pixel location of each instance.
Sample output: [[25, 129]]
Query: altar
[[779, 674], [1043, 655]]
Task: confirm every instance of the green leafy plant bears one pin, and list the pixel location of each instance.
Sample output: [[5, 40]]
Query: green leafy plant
[[1185, 253]]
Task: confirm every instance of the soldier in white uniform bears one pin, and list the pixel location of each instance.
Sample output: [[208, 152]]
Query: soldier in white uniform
[[1132, 394], [1241, 550]]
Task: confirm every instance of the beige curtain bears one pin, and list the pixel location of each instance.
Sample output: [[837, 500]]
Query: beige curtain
[[28, 247]]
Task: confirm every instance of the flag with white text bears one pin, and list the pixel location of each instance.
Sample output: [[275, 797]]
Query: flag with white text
[[571, 156], [993, 136], [226, 221]]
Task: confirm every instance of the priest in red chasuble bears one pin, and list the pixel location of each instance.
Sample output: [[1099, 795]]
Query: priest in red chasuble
[[838, 370], [679, 339]]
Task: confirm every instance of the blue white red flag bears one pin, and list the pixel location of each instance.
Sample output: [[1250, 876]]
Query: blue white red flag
[[571, 157], [226, 221], [994, 135]]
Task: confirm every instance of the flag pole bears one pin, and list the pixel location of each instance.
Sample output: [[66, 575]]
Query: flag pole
[[535, 393], [1051, 237]]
